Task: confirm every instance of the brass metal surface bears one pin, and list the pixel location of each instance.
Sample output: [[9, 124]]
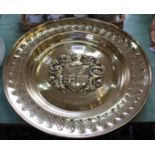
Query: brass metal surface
[[77, 78]]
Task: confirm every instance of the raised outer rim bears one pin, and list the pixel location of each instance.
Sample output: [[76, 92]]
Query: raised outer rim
[[126, 120]]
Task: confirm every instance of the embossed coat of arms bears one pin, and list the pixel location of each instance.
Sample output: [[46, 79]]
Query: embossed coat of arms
[[76, 73]]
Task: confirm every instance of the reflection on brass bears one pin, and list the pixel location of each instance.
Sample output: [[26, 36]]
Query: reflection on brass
[[77, 78], [79, 73]]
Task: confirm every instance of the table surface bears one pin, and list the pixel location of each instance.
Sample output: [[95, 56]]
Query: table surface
[[136, 25]]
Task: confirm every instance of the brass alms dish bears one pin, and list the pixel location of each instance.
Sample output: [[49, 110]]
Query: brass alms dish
[[77, 78]]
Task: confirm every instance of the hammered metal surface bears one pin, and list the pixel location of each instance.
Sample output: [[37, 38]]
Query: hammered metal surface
[[77, 78]]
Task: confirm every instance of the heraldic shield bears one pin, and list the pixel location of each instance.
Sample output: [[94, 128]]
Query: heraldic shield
[[77, 73]]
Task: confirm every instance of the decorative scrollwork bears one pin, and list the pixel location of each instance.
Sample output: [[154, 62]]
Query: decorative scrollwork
[[78, 73]]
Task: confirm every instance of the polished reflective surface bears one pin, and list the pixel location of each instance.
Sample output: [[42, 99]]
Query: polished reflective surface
[[77, 78], [77, 72]]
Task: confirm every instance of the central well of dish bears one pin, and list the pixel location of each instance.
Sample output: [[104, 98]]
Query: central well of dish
[[77, 75]]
